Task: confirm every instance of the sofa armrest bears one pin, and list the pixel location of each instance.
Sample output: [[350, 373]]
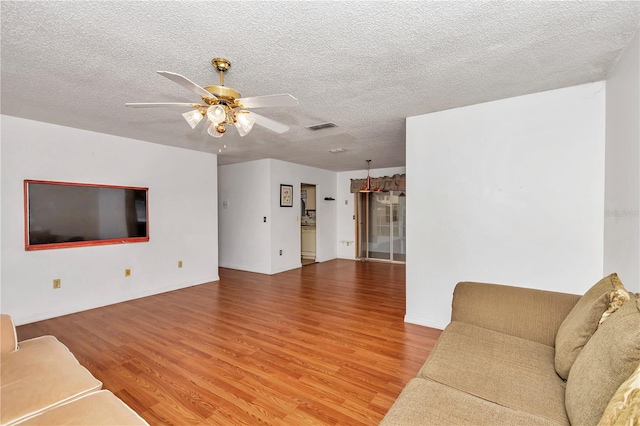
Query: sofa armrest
[[8, 337], [530, 314]]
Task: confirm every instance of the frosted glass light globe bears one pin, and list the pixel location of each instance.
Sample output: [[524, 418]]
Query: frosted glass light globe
[[244, 123], [213, 131], [216, 114], [193, 118]]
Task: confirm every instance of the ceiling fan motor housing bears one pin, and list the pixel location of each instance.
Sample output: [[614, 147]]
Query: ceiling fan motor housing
[[226, 94], [223, 93]]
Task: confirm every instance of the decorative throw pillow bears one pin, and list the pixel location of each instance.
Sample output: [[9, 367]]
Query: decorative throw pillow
[[624, 407], [583, 320], [607, 360], [617, 297]]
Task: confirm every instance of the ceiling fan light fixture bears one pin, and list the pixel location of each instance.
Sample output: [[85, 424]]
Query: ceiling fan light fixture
[[193, 117], [213, 130], [223, 105], [244, 122], [217, 114]]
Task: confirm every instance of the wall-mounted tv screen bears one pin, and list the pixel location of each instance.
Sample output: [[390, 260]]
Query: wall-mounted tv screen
[[63, 214]]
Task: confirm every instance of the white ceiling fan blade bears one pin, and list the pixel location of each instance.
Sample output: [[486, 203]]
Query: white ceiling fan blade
[[284, 99], [274, 126], [162, 104], [185, 82]]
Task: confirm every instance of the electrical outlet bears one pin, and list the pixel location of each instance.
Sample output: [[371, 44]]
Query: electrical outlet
[[127, 272], [280, 252], [56, 283], [179, 263]]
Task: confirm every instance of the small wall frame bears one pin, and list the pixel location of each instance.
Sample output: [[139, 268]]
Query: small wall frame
[[286, 195]]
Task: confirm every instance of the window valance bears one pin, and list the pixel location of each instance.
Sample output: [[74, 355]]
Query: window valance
[[396, 182]]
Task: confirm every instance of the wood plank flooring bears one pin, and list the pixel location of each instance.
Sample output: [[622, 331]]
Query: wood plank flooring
[[321, 345]]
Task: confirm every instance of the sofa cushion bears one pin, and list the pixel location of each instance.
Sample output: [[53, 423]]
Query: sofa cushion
[[624, 407], [582, 321], [40, 374], [607, 360], [8, 339], [522, 312], [511, 371], [98, 408], [425, 402]]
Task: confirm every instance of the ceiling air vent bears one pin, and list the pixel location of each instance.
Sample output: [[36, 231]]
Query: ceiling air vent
[[321, 126]]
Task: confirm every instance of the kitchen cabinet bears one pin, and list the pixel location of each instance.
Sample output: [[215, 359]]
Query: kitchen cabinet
[[308, 242]]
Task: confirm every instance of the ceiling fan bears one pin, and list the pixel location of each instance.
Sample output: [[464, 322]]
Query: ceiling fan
[[222, 105]]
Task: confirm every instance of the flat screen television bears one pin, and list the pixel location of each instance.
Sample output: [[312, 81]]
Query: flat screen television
[[64, 214]]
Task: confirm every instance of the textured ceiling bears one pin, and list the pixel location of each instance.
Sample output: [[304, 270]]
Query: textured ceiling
[[364, 66]]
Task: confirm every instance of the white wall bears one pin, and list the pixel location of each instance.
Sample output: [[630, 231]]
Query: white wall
[[510, 191], [622, 165], [182, 218], [246, 242], [346, 207]]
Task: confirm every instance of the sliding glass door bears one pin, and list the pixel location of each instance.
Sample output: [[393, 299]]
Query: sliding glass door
[[382, 226]]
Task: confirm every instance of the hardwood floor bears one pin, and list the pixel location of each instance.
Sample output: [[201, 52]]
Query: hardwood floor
[[321, 345]]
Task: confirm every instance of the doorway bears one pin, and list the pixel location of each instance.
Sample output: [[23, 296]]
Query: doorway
[[308, 220], [382, 226]]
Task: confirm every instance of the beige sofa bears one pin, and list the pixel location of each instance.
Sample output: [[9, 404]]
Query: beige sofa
[[516, 356], [42, 383]]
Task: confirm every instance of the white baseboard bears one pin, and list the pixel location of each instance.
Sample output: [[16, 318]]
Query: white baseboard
[[425, 322], [243, 268], [72, 309], [286, 268]]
